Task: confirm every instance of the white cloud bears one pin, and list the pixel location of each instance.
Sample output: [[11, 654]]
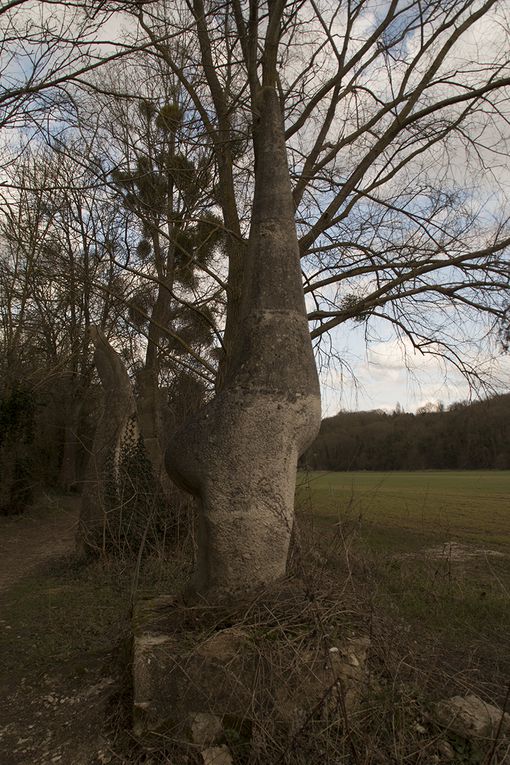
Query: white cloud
[[391, 372]]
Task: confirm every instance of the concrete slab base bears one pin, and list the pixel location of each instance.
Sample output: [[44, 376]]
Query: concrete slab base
[[187, 662]]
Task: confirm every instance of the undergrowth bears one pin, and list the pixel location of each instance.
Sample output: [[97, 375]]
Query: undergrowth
[[436, 628]]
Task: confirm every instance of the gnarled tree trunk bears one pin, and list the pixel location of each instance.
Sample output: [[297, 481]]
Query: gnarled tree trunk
[[117, 424], [239, 454]]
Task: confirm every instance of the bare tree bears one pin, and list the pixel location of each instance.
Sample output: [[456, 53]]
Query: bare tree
[[386, 127], [56, 280], [142, 154], [239, 454], [389, 115], [49, 50], [162, 191]]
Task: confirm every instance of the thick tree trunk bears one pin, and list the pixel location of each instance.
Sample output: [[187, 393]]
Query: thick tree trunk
[[117, 425], [236, 251], [239, 454]]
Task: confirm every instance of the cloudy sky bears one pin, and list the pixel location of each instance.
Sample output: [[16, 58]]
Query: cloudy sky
[[384, 372], [379, 371]]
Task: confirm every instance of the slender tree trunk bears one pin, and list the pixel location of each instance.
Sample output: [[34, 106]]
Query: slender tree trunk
[[149, 413], [150, 422], [116, 424], [7, 471], [150, 418], [67, 477], [68, 474], [239, 454]]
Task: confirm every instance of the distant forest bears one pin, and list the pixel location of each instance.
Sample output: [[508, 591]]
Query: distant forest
[[463, 437]]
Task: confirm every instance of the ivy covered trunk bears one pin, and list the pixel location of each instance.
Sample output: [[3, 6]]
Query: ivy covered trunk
[[238, 456]]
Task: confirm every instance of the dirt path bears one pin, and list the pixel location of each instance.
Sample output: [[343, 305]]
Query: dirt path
[[35, 537], [53, 707]]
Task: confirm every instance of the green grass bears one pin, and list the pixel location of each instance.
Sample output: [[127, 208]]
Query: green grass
[[405, 509], [68, 610], [60, 615], [388, 521]]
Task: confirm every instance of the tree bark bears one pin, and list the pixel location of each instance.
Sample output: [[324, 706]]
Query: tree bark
[[117, 422], [7, 469], [150, 418], [239, 454], [149, 414], [67, 478], [68, 474]]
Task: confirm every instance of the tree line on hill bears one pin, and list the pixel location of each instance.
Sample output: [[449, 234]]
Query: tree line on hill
[[465, 436]]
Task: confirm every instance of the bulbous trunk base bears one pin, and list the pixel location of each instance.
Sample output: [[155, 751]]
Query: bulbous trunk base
[[239, 458]]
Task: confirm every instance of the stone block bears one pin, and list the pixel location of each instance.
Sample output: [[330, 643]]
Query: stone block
[[206, 670], [471, 717], [187, 666]]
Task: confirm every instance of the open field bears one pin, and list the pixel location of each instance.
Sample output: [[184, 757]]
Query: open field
[[433, 547], [403, 510]]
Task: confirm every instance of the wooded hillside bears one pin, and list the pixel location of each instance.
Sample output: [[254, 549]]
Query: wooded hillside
[[464, 437]]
